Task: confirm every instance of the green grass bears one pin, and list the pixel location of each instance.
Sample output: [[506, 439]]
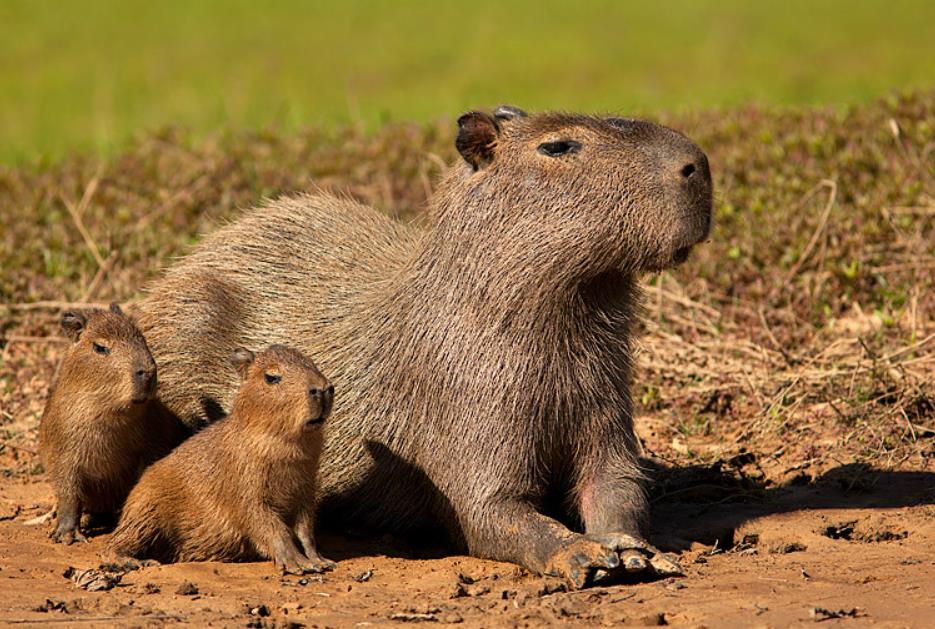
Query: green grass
[[91, 75]]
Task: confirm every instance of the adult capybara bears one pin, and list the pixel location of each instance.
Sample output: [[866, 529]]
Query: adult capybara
[[101, 426], [241, 488], [484, 364]]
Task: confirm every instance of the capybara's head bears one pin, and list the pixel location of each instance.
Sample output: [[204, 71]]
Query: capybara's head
[[108, 358], [599, 193], [283, 389]]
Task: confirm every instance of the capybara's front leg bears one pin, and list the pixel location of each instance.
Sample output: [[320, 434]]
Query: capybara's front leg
[[274, 539], [68, 517], [615, 511], [305, 531], [513, 530]]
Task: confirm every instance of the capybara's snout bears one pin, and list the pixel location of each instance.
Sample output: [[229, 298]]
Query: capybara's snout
[[321, 401], [144, 382]]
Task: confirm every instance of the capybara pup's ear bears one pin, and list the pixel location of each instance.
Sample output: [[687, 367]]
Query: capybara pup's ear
[[115, 308], [73, 322], [477, 138], [241, 359]]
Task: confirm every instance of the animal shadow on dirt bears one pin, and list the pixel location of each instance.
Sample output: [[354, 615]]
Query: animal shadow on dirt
[[697, 503], [709, 503], [350, 527]]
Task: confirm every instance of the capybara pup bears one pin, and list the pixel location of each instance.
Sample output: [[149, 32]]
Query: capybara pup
[[485, 362], [244, 487], [99, 428]]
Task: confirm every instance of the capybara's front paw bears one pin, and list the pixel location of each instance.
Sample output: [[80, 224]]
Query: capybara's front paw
[[317, 563], [292, 565], [67, 534], [636, 555], [299, 564], [580, 560]]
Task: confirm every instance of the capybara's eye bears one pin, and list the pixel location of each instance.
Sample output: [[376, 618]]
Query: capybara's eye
[[103, 350], [314, 391], [272, 379], [561, 147]]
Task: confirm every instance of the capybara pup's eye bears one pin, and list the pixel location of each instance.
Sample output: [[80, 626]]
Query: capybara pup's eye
[[272, 379], [103, 350]]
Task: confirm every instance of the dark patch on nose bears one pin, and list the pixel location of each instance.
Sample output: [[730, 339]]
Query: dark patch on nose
[[145, 381]]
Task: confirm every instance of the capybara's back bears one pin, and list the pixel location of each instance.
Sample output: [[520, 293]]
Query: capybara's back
[[296, 267]]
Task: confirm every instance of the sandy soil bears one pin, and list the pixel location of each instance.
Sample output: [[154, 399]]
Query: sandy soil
[[851, 547]]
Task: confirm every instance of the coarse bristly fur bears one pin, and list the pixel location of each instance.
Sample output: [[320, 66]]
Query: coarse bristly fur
[[484, 364], [101, 425], [244, 487]]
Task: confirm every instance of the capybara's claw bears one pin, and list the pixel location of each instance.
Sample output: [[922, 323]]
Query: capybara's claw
[[633, 561], [579, 561], [637, 556], [318, 564], [665, 565], [305, 565], [67, 536], [290, 567]]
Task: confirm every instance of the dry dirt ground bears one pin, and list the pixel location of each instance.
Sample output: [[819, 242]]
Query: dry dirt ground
[[851, 547]]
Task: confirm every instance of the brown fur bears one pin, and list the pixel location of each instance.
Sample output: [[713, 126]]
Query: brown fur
[[245, 486], [101, 426], [484, 364]]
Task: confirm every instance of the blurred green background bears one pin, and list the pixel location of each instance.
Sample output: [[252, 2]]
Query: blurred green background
[[91, 75]]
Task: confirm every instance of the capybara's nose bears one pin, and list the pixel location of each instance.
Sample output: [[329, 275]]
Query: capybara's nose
[[690, 167], [145, 379], [327, 400], [696, 168]]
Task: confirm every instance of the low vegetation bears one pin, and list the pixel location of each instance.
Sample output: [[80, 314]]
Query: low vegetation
[[803, 332]]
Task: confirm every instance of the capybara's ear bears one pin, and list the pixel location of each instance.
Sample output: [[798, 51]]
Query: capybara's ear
[[508, 112], [115, 308], [73, 322], [241, 359], [477, 138]]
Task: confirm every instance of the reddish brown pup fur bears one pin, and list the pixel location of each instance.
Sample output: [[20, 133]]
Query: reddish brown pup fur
[[244, 487], [484, 364], [101, 425]]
